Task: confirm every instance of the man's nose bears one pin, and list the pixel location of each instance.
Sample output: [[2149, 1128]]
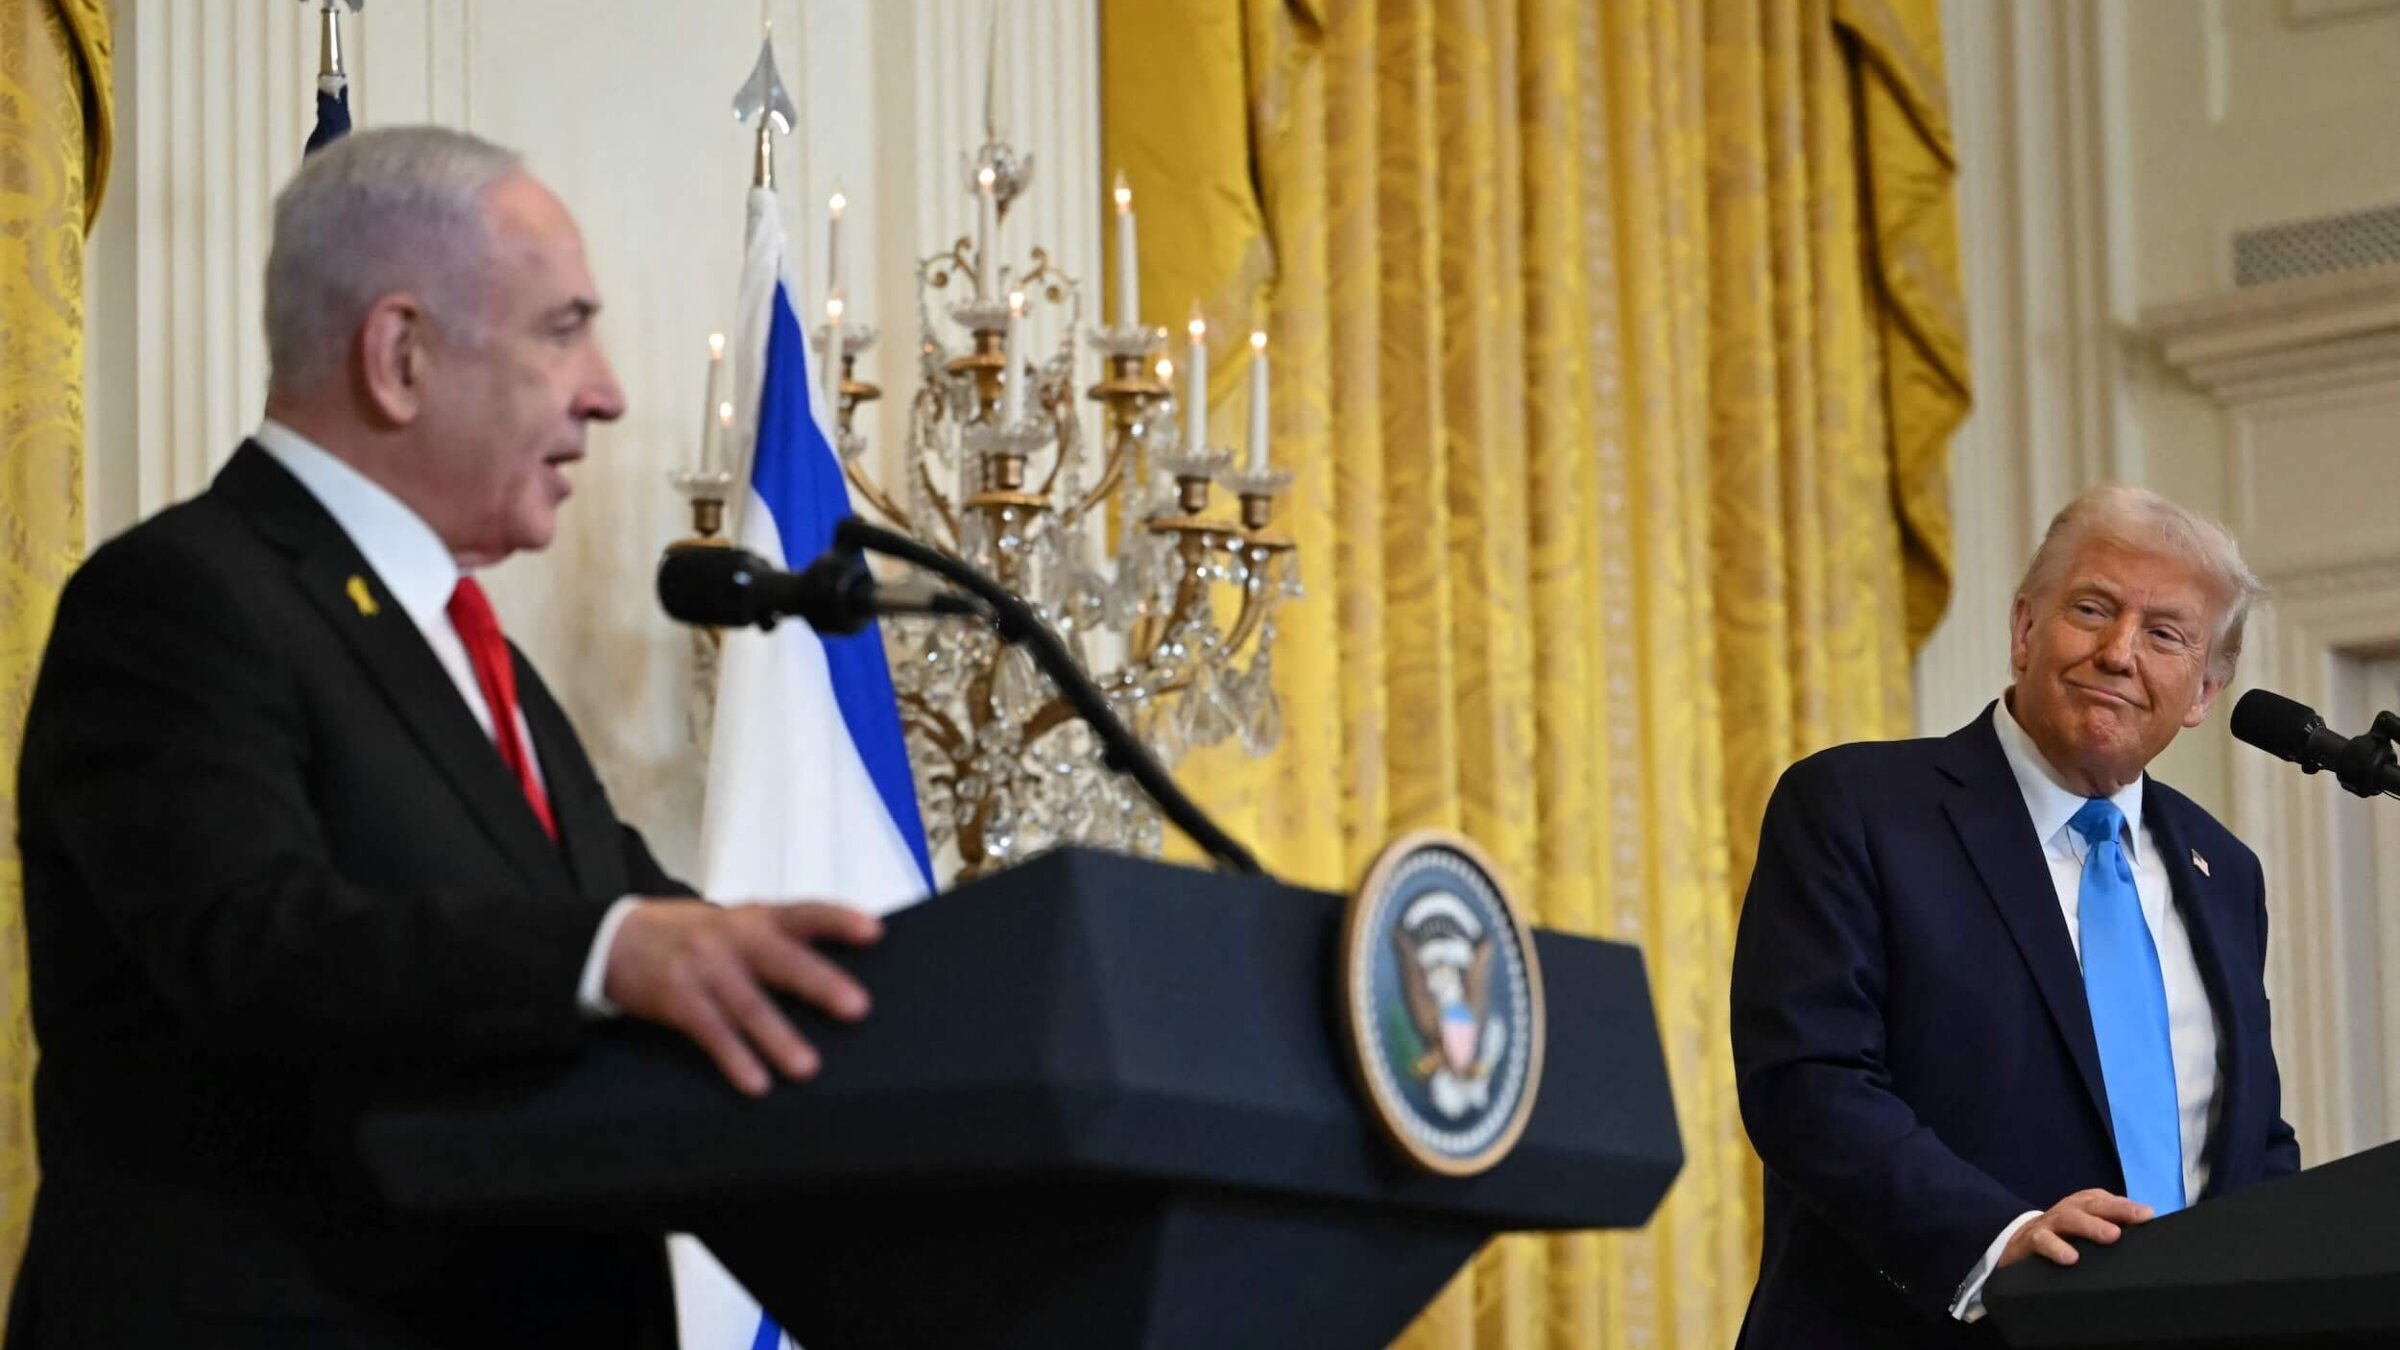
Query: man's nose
[[600, 398], [2116, 646]]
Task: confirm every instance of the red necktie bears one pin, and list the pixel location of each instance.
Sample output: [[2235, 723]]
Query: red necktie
[[487, 651]]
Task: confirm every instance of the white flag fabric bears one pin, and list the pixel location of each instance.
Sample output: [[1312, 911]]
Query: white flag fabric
[[810, 795]]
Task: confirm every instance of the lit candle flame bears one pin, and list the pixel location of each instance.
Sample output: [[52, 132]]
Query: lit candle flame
[[716, 346], [1198, 327], [838, 203], [724, 414], [1166, 371], [833, 309], [984, 178], [1124, 193], [1016, 303], [1258, 342]]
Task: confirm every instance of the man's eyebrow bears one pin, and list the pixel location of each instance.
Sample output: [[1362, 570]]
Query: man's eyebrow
[[582, 308]]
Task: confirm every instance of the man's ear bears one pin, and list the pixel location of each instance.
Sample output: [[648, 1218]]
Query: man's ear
[[2210, 687], [2020, 634], [391, 345]]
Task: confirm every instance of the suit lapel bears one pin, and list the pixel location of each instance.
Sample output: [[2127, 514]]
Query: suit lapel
[[354, 601], [584, 837], [1988, 812], [2196, 898]]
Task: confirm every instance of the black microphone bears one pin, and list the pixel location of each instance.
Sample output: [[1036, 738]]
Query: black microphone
[[2364, 765], [724, 587]]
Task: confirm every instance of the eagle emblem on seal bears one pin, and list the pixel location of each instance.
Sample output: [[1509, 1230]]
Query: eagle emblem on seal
[[1445, 956]]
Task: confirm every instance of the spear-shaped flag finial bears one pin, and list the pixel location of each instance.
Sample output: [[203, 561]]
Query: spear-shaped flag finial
[[763, 96]]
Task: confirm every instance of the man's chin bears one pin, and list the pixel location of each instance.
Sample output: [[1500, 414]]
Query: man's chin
[[2111, 749]]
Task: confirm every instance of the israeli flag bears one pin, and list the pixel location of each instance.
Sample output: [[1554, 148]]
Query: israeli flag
[[810, 795]]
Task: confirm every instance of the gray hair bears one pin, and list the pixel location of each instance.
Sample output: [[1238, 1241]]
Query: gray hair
[[392, 209], [2141, 520]]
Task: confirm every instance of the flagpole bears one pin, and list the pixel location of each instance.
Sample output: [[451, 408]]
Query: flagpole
[[329, 43], [333, 77]]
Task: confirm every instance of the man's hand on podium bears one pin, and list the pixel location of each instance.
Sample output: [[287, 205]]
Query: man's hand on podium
[[706, 970], [2093, 1215]]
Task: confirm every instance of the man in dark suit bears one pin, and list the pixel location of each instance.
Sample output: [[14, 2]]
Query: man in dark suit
[[2002, 989], [295, 818]]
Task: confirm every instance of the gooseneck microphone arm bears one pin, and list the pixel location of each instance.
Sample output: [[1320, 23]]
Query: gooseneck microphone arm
[[1019, 626]]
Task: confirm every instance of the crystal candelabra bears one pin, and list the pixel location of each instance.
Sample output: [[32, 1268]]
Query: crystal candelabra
[[1169, 602]]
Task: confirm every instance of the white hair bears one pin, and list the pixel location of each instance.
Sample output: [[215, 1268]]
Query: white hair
[[2138, 519], [392, 209]]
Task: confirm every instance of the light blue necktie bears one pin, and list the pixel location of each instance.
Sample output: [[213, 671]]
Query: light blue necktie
[[2128, 999]]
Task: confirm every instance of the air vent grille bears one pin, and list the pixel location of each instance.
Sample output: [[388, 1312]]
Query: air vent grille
[[2310, 248]]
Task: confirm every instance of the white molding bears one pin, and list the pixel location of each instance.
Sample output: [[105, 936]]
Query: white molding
[[2281, 358], [213, 110], [2297, 824], [2302, 13], [2310, 335]]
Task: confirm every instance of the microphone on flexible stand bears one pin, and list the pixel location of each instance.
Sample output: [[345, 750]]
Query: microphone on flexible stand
[[2364, 765], [720, 587]]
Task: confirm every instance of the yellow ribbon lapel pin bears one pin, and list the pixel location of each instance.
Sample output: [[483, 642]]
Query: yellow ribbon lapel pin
[[362, 597]]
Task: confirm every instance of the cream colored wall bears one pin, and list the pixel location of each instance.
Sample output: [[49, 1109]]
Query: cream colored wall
[[621, 106], [2109, 150]]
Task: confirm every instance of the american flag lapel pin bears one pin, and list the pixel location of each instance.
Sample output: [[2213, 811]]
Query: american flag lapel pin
[[2199, 862]]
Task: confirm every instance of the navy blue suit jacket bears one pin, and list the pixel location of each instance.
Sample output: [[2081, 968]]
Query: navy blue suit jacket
[[1915, 1056]]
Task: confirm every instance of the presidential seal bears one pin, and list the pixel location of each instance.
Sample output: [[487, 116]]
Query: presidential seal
[[1442, 1003]]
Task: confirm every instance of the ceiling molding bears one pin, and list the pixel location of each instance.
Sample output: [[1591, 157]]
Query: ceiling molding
[[2311, 335], [2303, 13]]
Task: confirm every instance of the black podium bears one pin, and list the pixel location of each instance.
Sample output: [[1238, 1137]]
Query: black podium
[[2308, 1260], [1100, 1103]]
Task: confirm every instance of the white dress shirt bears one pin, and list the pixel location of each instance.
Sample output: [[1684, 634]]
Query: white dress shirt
[[418, 570], [2191, 1021]]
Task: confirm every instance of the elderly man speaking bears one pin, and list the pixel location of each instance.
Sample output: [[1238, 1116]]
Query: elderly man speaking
[[2002, 989], [295, 816]]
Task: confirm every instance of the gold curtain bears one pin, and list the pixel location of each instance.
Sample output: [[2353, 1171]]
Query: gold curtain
[[54, 149], [1617, 344]]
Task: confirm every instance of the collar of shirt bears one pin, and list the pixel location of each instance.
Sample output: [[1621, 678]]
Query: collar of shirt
[[2049, 800], [406, 554]]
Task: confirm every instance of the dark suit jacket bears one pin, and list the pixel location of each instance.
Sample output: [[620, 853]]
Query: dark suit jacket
[[1915, 1056], [271, 864]]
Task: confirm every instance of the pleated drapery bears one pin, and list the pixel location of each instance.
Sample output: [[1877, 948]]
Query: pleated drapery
[[54, 151], [1617, 346]]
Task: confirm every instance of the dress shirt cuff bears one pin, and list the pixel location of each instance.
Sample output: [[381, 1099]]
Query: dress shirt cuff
[[591, 996], [1968, 1306]]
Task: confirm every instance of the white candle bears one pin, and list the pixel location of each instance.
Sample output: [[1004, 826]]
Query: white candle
[[712, 451], [1195, 409], [833, 360], [1129, 275], [995, 96], [725, 428], [1258, 402], [833, 243], [1012, 389], [987, 228]]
